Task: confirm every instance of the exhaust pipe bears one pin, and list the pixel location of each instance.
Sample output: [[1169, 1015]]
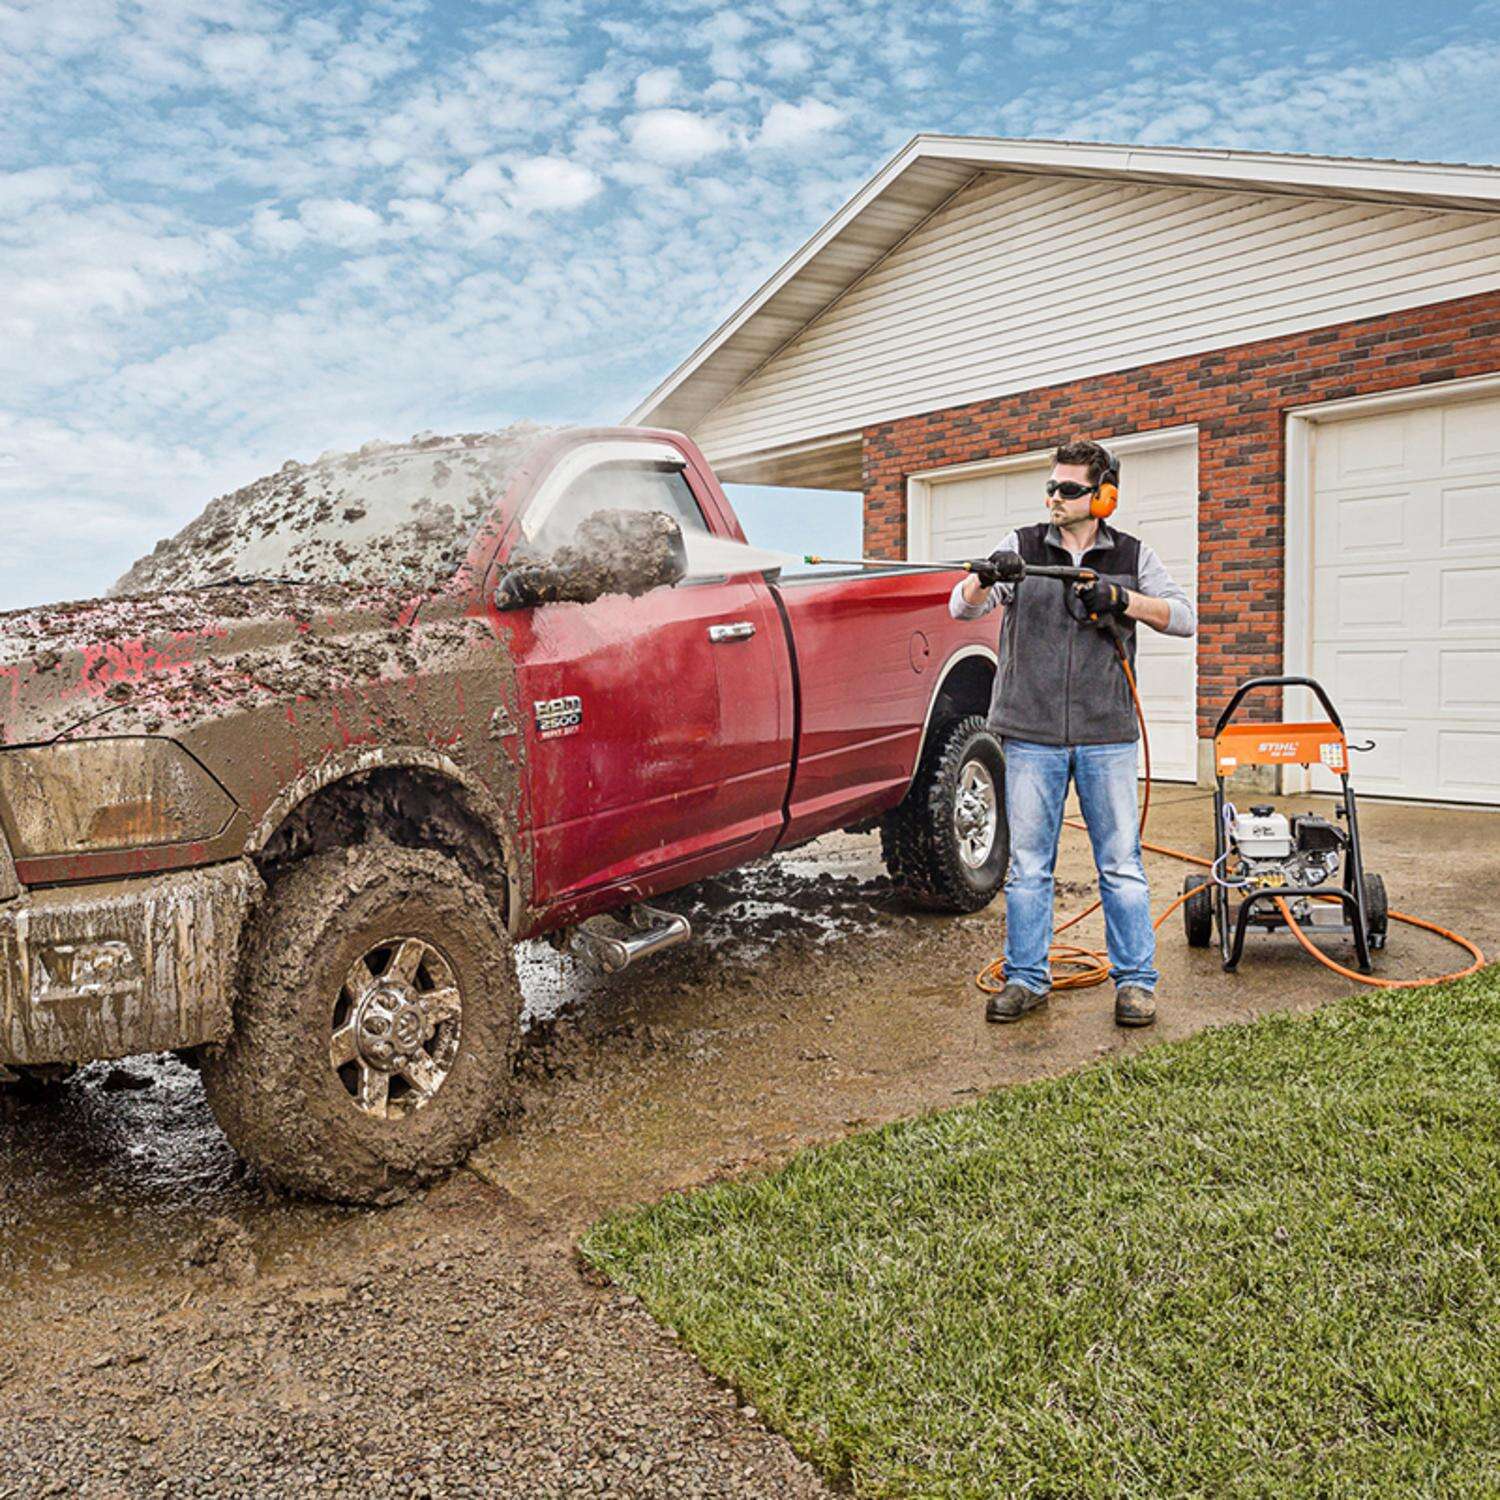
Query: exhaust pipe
[[651, 930]]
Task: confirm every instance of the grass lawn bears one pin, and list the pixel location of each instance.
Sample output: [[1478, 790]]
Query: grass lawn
[[1261, 1261]]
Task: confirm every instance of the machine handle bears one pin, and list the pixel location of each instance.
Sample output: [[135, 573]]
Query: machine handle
[[1261, 682], [741, 630]]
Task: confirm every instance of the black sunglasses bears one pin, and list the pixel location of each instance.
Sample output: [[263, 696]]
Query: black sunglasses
[[1070, 489]]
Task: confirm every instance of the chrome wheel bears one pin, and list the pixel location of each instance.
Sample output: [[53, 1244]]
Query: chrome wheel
[[976, 814], [396, 1027]]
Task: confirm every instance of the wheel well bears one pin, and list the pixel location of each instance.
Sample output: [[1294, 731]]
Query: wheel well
[[407, 805], [965, 690]]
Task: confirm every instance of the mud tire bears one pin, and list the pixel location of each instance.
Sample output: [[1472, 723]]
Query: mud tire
[[272, 1088], [1377, 911], [1198, 911], [918, 839]]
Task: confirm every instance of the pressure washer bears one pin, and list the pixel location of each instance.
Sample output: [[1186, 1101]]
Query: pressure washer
[[1284, 872]]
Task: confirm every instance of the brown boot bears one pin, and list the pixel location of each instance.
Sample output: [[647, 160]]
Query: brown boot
[[1013, 1002], [1134, 1006]]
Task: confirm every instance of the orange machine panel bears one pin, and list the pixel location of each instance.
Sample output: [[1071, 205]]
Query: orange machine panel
[[1280, 745]]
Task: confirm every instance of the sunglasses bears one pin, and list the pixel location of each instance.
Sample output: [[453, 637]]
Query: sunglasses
[[1069, 489]]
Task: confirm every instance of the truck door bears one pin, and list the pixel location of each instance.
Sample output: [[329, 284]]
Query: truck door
[[658, 728]]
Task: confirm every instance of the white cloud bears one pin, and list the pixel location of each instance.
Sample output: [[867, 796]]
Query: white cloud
[[340, 222], [553, 182], [675, 137], [787, 57], [23, 191], [791, 126], [657, 86], [275, 232]]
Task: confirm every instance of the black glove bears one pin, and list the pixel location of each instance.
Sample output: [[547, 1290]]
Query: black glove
[[1103, 599], [999, 567]]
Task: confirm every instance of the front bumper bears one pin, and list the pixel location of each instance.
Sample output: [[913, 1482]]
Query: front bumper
[[127, 966]]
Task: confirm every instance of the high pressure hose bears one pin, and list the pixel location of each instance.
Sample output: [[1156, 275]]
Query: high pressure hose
[[1076, 968]]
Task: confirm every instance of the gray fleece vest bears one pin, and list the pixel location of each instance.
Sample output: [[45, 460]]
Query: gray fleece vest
[[1059, 681]]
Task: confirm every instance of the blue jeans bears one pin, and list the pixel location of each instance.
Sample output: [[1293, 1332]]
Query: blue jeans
[[1036, 786]]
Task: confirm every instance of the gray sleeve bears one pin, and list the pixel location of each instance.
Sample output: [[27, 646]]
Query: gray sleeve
[[1157, 582], [1001, 593]]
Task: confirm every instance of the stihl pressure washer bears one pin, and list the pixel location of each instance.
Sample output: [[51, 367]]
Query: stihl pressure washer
[[1275, 864]]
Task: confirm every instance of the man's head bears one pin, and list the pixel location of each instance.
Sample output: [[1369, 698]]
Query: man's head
[[1078, 467]]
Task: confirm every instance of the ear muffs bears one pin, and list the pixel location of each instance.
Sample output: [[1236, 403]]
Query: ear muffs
[[1107, 496]]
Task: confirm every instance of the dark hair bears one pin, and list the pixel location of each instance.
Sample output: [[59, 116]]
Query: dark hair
[[1082, 451]]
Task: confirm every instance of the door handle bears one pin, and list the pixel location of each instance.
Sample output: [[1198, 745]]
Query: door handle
[[741, 630]]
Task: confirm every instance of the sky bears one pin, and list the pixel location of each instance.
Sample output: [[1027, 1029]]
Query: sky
[[234, 232]]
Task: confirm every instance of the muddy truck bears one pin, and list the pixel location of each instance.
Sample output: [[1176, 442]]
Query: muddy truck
[[286, 800]]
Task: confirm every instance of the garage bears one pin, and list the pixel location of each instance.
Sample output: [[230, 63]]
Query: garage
[[1297, 359], [1399, 511], [965, 510]]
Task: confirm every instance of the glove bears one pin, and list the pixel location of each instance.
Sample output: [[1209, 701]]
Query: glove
[[1103, 599], [999, 567]]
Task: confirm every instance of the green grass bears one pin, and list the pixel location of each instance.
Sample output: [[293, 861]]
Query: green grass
[[1261, 1261]]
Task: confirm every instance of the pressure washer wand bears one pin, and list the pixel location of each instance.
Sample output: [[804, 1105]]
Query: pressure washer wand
[[972, 565]]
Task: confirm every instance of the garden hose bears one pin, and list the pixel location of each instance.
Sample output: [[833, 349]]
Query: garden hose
[[1077, 968]]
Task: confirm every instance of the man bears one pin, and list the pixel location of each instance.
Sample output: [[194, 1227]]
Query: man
[[1063, 709]]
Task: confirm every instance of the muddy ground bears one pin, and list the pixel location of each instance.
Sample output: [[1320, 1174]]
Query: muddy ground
[[172, 1328]]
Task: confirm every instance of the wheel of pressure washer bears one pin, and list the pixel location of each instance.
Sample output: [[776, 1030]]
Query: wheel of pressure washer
[[1198, 911], [376, 1025], [1377, 911], [947, 845]]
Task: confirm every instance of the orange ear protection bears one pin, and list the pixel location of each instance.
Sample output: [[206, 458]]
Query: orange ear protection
[[1107, 496]]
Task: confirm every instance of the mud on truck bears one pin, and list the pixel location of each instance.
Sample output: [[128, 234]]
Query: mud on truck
[[285, 801]]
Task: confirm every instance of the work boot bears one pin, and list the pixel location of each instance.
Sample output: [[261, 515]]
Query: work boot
[[1013, 1002], [1134, 1006]]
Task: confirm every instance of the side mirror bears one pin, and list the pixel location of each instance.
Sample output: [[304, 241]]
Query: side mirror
[[612, 552]]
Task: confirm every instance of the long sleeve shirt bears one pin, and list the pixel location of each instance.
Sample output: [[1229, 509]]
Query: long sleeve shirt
[[1154, 579]]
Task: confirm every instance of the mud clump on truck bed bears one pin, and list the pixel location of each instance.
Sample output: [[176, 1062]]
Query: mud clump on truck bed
[[611, 552]]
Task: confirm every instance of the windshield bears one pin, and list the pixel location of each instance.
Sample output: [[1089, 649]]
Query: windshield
[[398, 514]]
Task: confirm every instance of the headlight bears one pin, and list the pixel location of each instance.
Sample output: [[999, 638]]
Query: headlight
[[108, 794]]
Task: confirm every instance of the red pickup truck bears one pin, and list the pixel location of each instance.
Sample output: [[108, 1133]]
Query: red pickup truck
[[286, 804]]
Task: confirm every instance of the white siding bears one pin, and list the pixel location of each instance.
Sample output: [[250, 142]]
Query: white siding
[[1023, 281]]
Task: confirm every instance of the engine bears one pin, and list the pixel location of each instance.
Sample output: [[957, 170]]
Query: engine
[[1274, 850]]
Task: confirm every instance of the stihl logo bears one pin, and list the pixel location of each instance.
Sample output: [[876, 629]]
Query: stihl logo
[[1278, 747]]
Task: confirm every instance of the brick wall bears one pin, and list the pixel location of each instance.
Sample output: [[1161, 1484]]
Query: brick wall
[[1237, 398]]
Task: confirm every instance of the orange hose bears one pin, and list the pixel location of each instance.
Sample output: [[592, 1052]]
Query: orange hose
[[1083, 968]]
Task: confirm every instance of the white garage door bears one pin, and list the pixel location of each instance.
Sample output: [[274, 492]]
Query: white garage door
[[966, 515], [1406, 595]]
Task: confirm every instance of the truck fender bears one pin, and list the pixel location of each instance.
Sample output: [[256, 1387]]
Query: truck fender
[[945, 678], [342, 764]]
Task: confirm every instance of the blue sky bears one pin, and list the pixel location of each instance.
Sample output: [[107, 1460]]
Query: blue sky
[[237, 231]]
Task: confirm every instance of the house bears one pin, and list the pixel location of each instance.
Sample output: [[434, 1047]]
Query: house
[[1296, 358]]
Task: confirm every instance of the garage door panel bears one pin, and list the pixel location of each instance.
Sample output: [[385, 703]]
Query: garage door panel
[[1470, 434], [1469, 681], [1469, 759], [1470, 515], [1470, 596], [1406, 595], [1158, 503]]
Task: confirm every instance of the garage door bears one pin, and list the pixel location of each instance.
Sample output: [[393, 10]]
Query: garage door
[[1406, 595], [966, 515]]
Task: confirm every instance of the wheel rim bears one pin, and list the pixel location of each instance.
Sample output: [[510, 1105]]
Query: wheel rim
[[396, 1026], [976, 814]]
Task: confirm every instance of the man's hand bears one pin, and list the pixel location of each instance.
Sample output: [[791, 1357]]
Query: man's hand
[[1103, 599], [999, 567]]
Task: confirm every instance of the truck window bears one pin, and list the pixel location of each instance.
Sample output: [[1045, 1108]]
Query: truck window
[[621, 486]]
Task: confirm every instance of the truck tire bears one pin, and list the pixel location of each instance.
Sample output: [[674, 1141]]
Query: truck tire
[[947, 845], [1377, 911], [343, 1080], [1198, 911]]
